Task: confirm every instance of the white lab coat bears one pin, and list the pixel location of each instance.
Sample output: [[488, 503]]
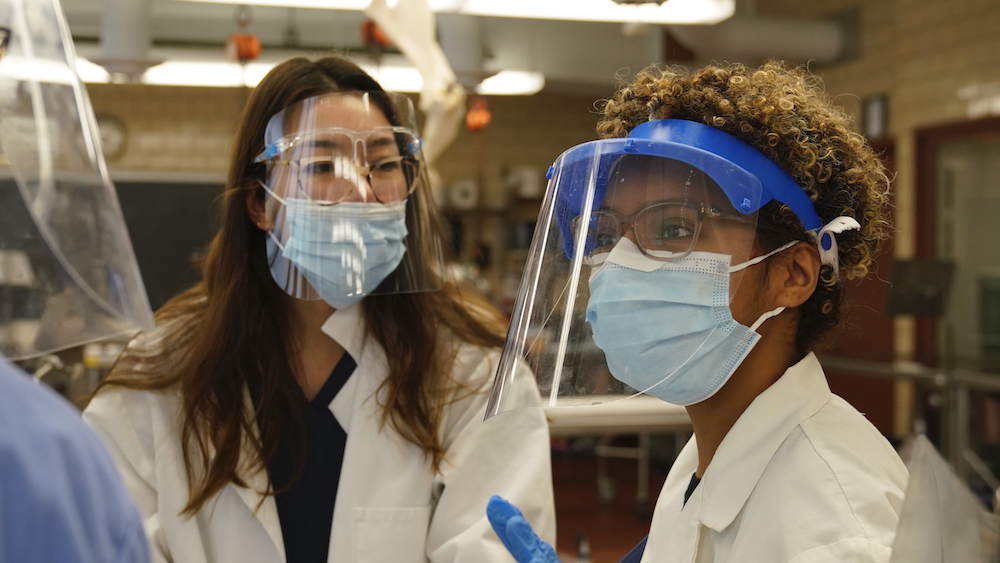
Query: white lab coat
[[390, 508], [801, 477]]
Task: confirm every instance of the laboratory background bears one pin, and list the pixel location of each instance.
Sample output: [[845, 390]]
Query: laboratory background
[[919, 351]]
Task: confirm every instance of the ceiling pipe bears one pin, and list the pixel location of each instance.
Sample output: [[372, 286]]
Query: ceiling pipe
[[126, 39], [752, 39]]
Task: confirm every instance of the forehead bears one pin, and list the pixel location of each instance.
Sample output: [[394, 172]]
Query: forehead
[[636, 181], [348, 111]]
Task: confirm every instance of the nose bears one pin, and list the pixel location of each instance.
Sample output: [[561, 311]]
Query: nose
[[360, 152], [629, 232], [348, 181]]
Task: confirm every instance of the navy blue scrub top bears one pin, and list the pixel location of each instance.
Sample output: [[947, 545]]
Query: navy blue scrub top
[[306, 508]]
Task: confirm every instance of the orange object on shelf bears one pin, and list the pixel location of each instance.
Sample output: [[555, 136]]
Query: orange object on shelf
[[242, 47], [478, 117], [373, 36]]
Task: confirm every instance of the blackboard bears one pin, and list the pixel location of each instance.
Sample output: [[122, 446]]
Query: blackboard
[[171, 225]]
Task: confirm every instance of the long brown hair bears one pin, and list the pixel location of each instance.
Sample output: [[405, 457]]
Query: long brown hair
[[229, 334]]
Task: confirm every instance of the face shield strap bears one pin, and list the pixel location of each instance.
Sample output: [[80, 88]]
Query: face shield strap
[[826, 241]]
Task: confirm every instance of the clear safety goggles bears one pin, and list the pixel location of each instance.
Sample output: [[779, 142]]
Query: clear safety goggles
[[336, 164], [326, 156], [68, 275], [662, 230]]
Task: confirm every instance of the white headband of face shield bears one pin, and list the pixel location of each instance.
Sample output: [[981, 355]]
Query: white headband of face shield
[[826, 240]]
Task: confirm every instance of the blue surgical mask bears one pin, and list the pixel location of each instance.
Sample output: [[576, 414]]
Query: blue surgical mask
[[345, 250], [666, 328]]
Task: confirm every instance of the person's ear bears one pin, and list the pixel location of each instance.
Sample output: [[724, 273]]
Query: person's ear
[[793, 278], [258, 211]]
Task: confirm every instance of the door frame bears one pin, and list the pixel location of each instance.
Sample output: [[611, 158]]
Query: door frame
[[928, 141]]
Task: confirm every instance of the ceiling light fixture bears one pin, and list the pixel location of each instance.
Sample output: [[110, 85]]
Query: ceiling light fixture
[[193, 70], [673, 12]]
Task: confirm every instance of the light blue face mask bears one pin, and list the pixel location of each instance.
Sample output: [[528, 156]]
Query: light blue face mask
[[666, 328], [344, 251]]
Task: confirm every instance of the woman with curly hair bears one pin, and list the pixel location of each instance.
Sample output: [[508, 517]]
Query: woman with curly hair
[[715, 224], [319, 396]]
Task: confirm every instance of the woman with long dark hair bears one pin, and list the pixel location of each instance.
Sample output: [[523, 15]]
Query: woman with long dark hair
[[319, 396]]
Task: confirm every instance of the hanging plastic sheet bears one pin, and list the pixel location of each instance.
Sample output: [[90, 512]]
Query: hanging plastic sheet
[[68, 274], [941, 521]]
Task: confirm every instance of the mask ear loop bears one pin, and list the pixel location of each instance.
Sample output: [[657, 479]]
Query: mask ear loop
[[270, 232], [760, 320], [271, 193], [761, 258]]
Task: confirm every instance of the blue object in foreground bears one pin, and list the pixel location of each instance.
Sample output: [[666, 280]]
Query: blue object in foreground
[[516, 533], [635, 554]]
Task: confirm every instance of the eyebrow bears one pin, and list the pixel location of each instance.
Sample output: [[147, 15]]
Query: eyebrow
[[322, 144], [331, 144], [381, 142]]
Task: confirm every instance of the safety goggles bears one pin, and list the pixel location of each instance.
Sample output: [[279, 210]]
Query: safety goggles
[[332, 165]]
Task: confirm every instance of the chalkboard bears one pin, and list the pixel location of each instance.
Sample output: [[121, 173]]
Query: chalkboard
[[171, 225]]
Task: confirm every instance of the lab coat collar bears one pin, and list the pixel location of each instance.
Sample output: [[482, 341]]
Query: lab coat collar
[[346, 326], [747, 449]]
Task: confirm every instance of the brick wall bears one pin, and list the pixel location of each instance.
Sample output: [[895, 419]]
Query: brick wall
[[172, 130]]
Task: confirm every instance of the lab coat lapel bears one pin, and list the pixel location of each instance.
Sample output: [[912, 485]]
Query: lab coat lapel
[[675, 529], [382, 472], [255, 496]]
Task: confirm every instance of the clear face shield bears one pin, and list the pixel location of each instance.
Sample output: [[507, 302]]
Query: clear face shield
[[68, 275], [639, 248], [347, 198]]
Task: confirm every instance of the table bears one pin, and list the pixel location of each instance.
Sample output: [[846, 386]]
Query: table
[[642, 415]]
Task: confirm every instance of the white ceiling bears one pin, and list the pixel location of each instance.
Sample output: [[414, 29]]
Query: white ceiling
[[580, 56]]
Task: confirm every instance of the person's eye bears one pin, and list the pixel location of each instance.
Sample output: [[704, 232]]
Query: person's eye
[[386, 166], [674, 230], [604, 241], [316, 167]]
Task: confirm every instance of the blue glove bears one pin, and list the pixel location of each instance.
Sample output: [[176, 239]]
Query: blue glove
[[516, 534]]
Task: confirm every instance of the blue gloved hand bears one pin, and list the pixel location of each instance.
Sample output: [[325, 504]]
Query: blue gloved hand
[[516, 533]]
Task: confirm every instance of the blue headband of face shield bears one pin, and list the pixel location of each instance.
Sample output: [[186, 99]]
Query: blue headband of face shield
[[747, 177]]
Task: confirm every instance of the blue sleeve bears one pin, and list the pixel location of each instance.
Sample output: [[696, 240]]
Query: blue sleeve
[[61, 498]]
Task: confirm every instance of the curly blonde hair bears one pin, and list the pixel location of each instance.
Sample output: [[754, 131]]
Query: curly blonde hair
[[783, 112]]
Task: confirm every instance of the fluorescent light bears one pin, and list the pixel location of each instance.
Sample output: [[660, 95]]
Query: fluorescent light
[[205, 73], [671, 12], [199, 67], [512, 82], [396, 78], [92, 72], [36, 70]]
